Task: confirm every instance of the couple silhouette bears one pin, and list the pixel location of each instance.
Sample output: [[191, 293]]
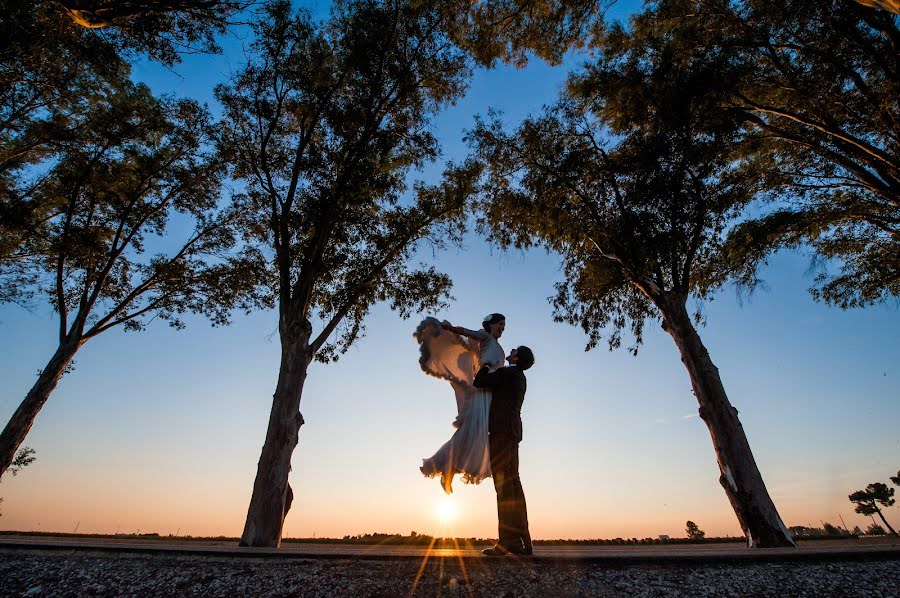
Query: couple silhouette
[[488, 425]]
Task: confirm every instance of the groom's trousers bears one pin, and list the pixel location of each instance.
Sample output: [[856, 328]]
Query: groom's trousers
[[512, 514]]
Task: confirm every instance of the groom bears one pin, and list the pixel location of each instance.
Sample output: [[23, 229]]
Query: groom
[[507, 387]]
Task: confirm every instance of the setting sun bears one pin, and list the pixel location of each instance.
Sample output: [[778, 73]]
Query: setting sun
[[446, 509]]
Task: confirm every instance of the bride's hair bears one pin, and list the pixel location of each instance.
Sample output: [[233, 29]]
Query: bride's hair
[[491, 320]]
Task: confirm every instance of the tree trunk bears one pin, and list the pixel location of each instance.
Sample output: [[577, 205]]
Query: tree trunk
[[880, 514], [740, 477], [21, 421], [272, 495]]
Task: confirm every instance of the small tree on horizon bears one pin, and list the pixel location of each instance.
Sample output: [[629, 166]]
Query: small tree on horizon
[[867, 501], [693, 531], [875, 530]]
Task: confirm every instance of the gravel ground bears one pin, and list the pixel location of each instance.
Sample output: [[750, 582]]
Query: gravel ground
[[51, 573]]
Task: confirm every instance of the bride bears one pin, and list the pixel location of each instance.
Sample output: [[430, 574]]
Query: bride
[[455, 354]]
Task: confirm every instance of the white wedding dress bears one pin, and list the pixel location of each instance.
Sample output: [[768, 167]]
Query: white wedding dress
[[451, 357]]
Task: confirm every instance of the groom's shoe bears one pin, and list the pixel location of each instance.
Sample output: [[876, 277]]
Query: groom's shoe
[[520, 548], [495, 551]]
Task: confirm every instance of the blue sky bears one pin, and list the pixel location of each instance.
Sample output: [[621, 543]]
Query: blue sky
[[161, 430]]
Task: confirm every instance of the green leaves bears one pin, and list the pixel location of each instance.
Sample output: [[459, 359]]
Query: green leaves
[[323, 127], [632, 176]]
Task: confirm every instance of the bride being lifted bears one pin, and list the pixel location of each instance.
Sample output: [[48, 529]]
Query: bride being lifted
[[455, 354]]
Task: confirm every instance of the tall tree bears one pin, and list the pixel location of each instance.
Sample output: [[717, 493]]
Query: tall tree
[[822, 90], [52, 70], [323, 126], [139, 164], [633, 178], [867, 501]]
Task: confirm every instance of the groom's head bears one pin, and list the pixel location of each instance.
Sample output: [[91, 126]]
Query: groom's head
[[522, 357]]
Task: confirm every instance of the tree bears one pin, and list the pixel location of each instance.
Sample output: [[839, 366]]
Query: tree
[[139, 164], [875, 530], [640, 225], [51, 70], [323, 126], [896, 479], [159, 28], [694, 532], [867, 501], [823, 98], [832, 530]]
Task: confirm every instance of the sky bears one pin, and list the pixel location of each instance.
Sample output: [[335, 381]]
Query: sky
[[160, 431]]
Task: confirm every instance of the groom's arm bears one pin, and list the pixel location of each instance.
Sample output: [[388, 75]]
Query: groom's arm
[[485, 378]]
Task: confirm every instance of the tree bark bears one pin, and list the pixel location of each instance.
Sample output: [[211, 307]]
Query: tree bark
[[880, 514], [740, 477], [272, 495], [21, 421]]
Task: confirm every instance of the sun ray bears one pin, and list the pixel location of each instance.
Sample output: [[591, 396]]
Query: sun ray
[[412, 591]]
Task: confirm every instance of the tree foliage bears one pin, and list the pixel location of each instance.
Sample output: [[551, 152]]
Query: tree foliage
[[693, 531], [323, 127], [108, 255], [514, 30], [52, 72], [867, 501], [161, 29], [630, 177], [24, 458], [141, 164], [822, 92]]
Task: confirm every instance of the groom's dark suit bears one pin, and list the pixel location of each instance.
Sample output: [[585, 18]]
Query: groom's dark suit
[[507, 387]]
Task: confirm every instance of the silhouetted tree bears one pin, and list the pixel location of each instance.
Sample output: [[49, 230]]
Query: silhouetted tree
[[896, 479], [159, 28], [323, 126], [875, 530], [693, 531], [832, 530], [821, 86], [138, 164], [52, 71], [640, 224], [867, 501]]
